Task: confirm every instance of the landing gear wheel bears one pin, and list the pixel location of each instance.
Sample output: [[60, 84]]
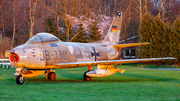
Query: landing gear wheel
[[86, 78], [52, 76], [20, 79]]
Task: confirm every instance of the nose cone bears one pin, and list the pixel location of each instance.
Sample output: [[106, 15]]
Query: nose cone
[[15, 55], [28, 56]]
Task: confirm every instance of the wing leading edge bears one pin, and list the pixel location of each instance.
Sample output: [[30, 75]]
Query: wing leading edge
[[107, 62]]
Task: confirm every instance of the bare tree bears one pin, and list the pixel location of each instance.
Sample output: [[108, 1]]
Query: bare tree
[[32, 13], [14, 21], [66, 10], [140, 10]]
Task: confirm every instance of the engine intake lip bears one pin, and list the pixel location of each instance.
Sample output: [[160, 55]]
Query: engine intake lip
[[14, 57]]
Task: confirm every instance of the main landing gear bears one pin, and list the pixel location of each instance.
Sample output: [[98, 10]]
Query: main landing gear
[[51, 75], [86, 78]]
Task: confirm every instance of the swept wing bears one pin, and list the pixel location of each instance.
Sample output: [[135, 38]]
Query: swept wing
[[107, 62]]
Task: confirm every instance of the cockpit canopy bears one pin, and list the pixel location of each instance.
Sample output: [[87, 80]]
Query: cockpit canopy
[[43, 37]]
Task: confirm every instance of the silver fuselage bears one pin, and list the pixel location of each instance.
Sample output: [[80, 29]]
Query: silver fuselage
[[45, 54]]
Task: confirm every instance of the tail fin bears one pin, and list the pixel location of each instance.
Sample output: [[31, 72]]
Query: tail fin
[[113, 33]]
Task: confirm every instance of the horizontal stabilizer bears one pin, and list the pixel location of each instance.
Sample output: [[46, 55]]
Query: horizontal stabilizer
[[130, 45]]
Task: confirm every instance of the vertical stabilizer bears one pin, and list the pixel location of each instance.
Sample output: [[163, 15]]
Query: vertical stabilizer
[[113, 33]]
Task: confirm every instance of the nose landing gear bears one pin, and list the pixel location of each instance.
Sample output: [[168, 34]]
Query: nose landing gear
[[19, 75], [20, 79]]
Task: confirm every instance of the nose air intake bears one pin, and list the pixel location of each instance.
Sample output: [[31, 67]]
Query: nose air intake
[[14, 57]]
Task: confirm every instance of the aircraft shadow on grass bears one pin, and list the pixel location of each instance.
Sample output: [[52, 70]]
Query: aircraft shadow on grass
[[128, 77]]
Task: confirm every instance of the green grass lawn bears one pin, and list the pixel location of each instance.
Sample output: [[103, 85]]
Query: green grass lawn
[[134, 84]]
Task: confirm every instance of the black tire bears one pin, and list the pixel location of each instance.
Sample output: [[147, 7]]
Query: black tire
[[20, 79], [86, 78], [52, 76]]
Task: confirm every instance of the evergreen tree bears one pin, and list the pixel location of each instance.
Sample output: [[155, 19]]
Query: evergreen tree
[[156, 42], [63, 34], [165, 39], [51, 27], [144, 35], [175, 40], [82, 36], [95, 34]]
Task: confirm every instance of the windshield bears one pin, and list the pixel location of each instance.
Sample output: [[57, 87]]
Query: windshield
[[34, 39], [37, 39]]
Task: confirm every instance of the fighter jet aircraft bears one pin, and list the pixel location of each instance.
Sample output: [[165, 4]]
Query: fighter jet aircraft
[[44, 53]]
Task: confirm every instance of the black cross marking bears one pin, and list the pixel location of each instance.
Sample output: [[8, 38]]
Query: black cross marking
[[95, 54]]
